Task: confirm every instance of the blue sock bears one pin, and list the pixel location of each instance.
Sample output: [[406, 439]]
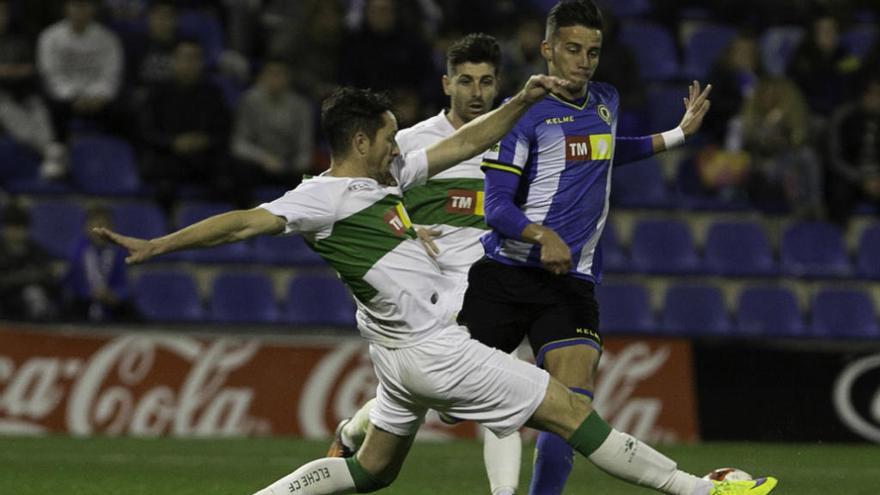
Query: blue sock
[[554, 459]]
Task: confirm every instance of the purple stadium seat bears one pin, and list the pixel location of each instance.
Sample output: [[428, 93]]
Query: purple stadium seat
[[654, 48], [703, 47], [284, 250], [768, 311], [640, 185], [844, 313], [663, 246], [665, 106], [104, 165], [612, 255], [624, 308], [694, 309], [626, 8], [56, 225], [777, 45], [738, 249], [320, 300], [243, 298], [859, 39], [868, 261], [192, 212], [813, 249], [207, 29], [167, 295], [139, 219], [17, 161]]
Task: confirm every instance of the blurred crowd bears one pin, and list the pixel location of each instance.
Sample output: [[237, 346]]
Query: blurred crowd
[[222, 95]]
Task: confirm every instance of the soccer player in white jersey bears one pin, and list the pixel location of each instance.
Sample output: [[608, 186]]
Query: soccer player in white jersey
[[448, 214], [353, 216]]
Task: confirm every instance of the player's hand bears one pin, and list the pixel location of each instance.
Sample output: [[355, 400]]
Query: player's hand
[[696, 104], [139, 250], [426, 237], [555, 253], [540, 86]]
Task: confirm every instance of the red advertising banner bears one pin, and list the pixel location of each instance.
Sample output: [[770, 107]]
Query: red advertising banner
[[152, 384]]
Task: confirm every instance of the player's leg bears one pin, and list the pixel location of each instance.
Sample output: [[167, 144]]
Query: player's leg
[[376, 466], [502, 457], [351, 432]]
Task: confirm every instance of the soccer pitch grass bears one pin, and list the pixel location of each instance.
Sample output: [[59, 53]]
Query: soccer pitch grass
[[127, 466]]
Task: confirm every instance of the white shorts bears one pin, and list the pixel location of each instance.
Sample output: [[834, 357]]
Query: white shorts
[[454, 374]]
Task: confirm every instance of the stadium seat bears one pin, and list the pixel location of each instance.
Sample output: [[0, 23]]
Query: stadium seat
[[654, 48], [859, 39], [703, 48], [231, 89], [191, 212], [663, 246], [665, 106], [813, 249], [206, 28], [56, 225], [694, 309], [17, 161], [768, 311], [843, 313], [777, 44], [284, 250], [104, 165], [640, 185], [739, 249], [318, 299], [167, 296], [243, 298], [626, 8], [139, 219], [868, 258], [624, 308], [613, 257]]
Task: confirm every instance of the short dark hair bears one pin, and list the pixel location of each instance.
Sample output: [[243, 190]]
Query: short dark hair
[[349, 110], [475, 48], [14, 214], [573, 13]]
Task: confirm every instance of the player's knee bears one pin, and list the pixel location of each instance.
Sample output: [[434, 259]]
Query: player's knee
[[367, 482]]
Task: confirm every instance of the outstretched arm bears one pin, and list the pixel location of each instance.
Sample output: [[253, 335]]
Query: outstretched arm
[[486, 130], [227, 227], [696, 104]]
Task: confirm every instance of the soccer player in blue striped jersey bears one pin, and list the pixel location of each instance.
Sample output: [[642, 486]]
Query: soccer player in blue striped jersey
[[547, 185]]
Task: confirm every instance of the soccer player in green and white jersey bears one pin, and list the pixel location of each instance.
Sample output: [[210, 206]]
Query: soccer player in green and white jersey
[[353, 216], [448, 214]]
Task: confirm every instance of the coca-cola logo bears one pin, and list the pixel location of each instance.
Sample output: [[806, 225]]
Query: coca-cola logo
[[118, 390], [856, 397]]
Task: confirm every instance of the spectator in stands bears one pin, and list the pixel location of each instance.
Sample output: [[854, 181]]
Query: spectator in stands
[[734, 76], [822, 67], [81, 65], [96, 285], [28, 283], [23, 113], [775, 131], [384, 48], [521, 55], [855, 152], [150, 53], [618, 66], [185, 129], [274, 130]]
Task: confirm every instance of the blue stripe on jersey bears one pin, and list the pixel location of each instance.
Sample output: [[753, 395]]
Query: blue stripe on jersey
[[565, 151]]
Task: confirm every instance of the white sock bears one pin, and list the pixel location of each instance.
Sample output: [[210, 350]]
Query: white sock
[[632, 460], [325, 476], [354, 432], [502, 458]]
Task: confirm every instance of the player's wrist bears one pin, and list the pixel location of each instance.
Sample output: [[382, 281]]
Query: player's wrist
[[673, 137]]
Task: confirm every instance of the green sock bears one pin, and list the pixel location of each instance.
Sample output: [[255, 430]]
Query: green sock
[[590, 434], [364, 482]]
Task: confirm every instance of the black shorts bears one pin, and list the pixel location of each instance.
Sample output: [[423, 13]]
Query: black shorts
[[503, 304]]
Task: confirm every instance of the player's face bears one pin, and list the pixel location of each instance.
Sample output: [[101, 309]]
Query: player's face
[[383, 150], [572, 53], [472, 89]]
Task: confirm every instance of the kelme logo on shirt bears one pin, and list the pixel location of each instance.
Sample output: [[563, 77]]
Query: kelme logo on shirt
[[559, 120], [397, 218], [593, 147], [464, 202], [604, 113]]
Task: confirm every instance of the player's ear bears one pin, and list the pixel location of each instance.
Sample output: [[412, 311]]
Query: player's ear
[[360, 143], [446, 83], [546, 50]]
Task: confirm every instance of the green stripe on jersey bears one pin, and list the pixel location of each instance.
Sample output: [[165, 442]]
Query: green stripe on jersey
[[455, 202], [360, 240]]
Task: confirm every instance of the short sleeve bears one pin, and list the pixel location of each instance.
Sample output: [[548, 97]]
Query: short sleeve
[[512, 152], [305, 209], [411, 170]]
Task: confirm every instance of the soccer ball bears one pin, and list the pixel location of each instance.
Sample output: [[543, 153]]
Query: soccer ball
[[728, 474]]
